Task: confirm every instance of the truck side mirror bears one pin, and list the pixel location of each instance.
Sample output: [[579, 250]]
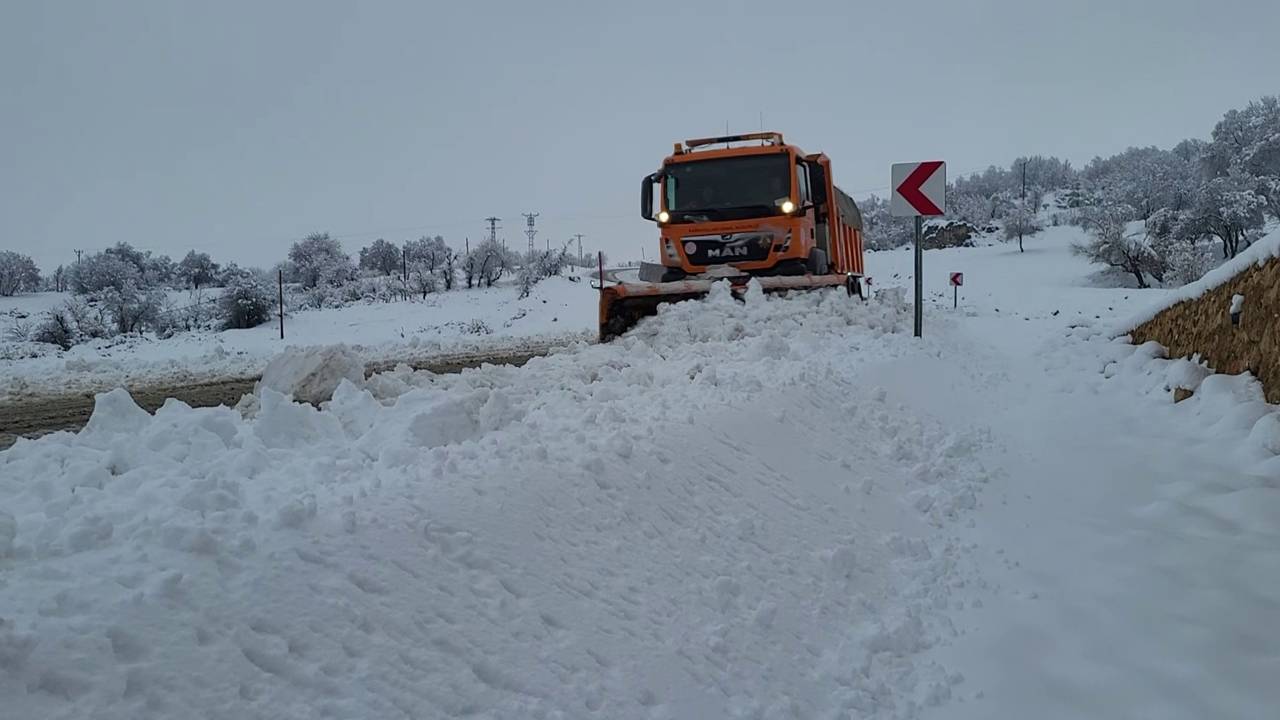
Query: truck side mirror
[[817, 183], [646, 196]]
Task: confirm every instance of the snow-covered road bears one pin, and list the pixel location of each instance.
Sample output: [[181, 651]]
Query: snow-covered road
[[783, 508]]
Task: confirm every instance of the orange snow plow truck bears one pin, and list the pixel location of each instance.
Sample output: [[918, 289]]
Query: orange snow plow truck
[[734, 208]]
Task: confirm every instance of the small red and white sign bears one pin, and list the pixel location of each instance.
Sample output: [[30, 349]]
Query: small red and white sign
[[919, 189], [957, 279]]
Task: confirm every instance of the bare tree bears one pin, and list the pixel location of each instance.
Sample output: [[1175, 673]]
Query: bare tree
[[1111, 244]]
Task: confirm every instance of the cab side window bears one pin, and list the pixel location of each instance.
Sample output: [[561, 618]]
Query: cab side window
[[802, 175]]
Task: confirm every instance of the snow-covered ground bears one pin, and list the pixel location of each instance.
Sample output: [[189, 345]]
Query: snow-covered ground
[[783, 508], [558, 310]]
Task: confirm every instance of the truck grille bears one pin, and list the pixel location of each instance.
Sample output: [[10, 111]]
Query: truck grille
[[733, 247]]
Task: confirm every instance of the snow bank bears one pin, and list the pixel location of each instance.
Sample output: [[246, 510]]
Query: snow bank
[[310, 375], [558, 312], [712, 517], [1229, 413], [1261, 251]]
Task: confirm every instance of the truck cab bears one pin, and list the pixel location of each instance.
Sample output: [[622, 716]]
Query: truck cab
[[760, 209]]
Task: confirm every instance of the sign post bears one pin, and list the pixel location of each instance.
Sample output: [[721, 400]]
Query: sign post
[[919, 190], [957, 279]]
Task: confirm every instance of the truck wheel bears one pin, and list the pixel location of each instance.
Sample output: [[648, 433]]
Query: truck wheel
[[818, 264]]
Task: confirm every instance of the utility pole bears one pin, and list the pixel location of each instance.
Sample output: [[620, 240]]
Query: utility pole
[[1022, 221], [580, 258], [78, 254], [530, 230]]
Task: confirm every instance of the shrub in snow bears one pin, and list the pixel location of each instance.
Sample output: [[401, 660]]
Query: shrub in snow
[[90, 321], [18, 273], [320, 297], [526, 279], [382, 257], [372, 289], [247, 302], [423, 282], [319, 259], [56, 328], [133, 309]]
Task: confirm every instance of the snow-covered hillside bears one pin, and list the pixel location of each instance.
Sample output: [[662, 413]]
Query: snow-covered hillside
[[558, 310], [783, 508]]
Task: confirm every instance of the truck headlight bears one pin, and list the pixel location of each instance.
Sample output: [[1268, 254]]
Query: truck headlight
[[788, 207], [663, 216]]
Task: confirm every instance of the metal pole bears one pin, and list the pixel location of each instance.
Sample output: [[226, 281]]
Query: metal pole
[[280, 281], [919, 278], [955, 297]]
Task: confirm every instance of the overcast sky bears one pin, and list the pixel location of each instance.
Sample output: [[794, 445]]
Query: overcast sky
[[237, 127]]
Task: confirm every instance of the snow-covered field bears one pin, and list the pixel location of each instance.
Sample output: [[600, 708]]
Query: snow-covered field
[[783, 508], [558, 311]]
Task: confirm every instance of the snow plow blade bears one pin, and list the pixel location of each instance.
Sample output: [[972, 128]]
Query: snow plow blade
[[624, 304]]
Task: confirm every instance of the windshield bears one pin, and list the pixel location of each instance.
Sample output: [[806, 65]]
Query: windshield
[[745, 186]]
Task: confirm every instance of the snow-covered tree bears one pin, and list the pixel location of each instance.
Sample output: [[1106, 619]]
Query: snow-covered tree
[[95, 273], [158, 271], [972, 208], [448, 267], [881, 230], [129, 254], [422, 281], [319, 258], [470, 267], [197, 270], [18, 273], [1147, 178], [493, 262], [133, 308], [428, 252], [381, 256], [1021, 222], [1110, 244], [1229, 209]]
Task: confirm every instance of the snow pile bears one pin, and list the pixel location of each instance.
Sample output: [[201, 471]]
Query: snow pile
[[1229, 413], [713, 517], [310, 375], [1261, 251]]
